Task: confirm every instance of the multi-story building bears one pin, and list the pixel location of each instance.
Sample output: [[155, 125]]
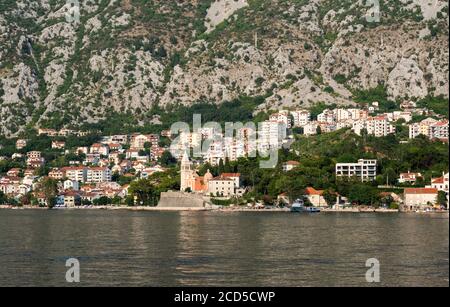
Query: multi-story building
[[342, 114], [71, 199], [441, 184], [215, 153], [327, 116], [34, 155], [377, 126], [366, 170], [282, 117], [221, 186], [310, 128], [35, 159], [75, 173], [301, 117], [138, 141], [357, 114], [439, 130], [98, 174], [99, 148], [92, 158], [56, 174], [271, 135], [431, 128], [419, 198]]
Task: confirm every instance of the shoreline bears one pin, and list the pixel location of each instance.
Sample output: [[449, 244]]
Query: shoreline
[[223, 210]]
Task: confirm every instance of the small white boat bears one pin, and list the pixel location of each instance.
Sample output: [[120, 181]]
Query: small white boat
[[299, 206]]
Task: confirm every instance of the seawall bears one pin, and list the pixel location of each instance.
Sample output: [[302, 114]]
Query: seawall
[[173, 199]]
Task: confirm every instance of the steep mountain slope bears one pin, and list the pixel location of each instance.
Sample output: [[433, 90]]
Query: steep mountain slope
[[134, 54]]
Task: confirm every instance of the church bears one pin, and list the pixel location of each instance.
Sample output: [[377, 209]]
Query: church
[[190, 180], [225, 185]]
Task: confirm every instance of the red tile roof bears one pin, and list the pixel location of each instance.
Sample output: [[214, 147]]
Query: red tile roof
[[438, 180], [421, 191], [312, 191], [231, 175]]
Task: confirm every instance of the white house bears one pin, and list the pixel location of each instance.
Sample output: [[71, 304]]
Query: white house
[[71, 185]]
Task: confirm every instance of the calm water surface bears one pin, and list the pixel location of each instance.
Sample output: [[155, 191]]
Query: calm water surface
[[221, 249]]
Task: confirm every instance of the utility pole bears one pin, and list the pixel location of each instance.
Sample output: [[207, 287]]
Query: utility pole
[[256, 40]]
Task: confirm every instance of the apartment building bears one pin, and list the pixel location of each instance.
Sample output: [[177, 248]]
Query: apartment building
[[327, 116], [377, 126], [366, 170], [271, 135], [75, 173], [301, 118], [430, 128], [282, 117], [56, 174], [98, 174]]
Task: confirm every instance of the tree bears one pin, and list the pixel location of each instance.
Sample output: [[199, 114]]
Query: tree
[[221, 166], [49, 187], [167, 159], [102, 201], [86, 202], [3, 198], [330, 197], [143, 192], [363, 194], [442, 199], [318, 130]]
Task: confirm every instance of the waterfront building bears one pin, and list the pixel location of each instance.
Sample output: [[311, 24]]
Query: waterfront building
[[315, 197], [221, 186], [71, 199], [419, 198]]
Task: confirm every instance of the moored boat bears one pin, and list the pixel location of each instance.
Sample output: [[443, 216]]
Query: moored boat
[[299, 206]]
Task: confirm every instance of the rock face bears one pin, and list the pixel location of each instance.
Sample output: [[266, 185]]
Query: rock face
[[126, 55]]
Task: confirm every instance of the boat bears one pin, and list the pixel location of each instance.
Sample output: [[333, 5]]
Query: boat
[[299, 206]]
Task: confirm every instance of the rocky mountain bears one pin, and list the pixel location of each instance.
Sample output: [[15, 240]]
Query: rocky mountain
[[58, 68]]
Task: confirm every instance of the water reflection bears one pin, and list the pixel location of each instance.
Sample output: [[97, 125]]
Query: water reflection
[[221, 249]]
